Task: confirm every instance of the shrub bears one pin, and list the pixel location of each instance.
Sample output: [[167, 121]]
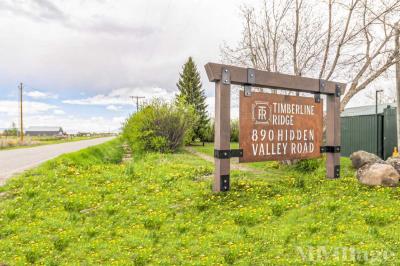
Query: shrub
[[190, 134], [235, 130], [209, 132], [159, 126], [307, 165]]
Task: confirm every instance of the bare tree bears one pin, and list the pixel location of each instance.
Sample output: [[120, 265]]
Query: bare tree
[[387, 96], [305, 38]]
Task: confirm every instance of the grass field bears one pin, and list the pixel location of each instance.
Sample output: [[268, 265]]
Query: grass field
[[88, 208], [12, 142]]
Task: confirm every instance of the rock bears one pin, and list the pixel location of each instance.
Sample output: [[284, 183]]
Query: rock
[[361, 158], [395, 162], [378, 174]]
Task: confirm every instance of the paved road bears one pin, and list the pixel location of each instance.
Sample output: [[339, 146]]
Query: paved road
[[18, 160]]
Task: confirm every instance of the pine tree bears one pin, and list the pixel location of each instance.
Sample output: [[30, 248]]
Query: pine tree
[[191, 92]]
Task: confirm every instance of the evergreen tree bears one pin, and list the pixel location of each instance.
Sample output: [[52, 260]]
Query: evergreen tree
[[191, 93]]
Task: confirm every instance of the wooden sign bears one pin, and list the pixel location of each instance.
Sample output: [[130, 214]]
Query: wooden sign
[[279, 127], [272, 126]]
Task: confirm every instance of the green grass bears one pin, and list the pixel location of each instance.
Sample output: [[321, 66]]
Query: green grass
[[88, 208], [208, 147]]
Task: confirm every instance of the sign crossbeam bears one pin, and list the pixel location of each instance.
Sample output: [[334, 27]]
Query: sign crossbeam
[[238, 76], [226, 75]]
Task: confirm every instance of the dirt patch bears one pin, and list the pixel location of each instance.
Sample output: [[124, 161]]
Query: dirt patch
[[127, 153]]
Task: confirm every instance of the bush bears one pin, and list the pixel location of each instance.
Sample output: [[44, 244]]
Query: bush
[[209, 132], [307, 165], [159, 126], [235, 130]]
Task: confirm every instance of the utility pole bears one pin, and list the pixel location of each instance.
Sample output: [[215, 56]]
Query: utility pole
[[21, 132], [137, 101], [397, 51]]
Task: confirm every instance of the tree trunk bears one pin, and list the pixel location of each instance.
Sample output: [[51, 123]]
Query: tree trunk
[[347, 97]]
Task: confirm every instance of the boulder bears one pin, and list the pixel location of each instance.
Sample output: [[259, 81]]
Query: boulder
[[395, 162], [361, 158], [378, 174]]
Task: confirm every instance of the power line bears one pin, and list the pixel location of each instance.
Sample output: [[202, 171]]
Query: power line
[[137, 101]]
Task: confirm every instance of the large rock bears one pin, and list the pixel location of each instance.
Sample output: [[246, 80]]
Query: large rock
[[378, 174], [361, 158], [395, 162]]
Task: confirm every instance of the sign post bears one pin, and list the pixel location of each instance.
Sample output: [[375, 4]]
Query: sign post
[[333, 136], [222, 132], [272, 126]]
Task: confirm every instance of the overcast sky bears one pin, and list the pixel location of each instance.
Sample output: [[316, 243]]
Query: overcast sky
[[80, 60]]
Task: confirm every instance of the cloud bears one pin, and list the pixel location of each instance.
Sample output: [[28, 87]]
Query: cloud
[[114, 107], [40, 95], [81, 50], [58, 112], [45, 11], [122, 96], [29, 107], [94, 46], [210, 101], [119, 119], [36, 10], [49, 10], [101, 24]]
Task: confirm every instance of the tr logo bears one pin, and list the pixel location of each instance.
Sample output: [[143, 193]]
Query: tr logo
[[261, 112]]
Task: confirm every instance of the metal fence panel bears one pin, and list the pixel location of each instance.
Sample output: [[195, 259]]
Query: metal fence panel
[[359, 133]]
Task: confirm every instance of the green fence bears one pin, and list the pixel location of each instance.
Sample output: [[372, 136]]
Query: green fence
[[371, 133], [389, 132]]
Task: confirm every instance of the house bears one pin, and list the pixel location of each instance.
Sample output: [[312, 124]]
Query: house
[[44, 131]]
